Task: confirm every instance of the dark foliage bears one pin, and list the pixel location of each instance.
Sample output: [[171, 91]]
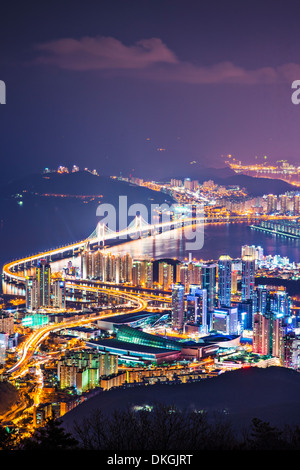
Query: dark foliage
[[50, 437], [164, 428]]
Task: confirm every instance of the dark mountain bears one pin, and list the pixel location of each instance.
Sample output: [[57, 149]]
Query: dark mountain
[[259, 186], [9, 396], [270, 394], [81, 183], [227, 177]]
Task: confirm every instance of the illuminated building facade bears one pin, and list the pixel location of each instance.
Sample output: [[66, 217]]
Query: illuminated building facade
[[245, 314], [142, 273], [59, 293], [224, 320], [188, 274], [268, 300], [7, 324], [3, 347], [271, 204], [177, 317], [268, 334], [35, 321], [31, 293], [165, 275], [260, 299], [234, 281], [208, 282], [83, 369], [106, 267], [43, 278], [224, 281], [196, 309], [248, 275], [256, 252], [135, 336]]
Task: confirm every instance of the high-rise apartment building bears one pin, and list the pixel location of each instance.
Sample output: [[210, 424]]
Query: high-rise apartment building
[[208, 282], [83, 369], [196, 308], [31, 298], [59, 293], [7, 324], [271, 204], [165, 275], [248, 277], [268, 334], [43, 279], [224, 281], [177, 316], [188, 274]]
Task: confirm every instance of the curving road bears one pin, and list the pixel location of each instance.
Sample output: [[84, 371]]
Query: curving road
[[37, 337]]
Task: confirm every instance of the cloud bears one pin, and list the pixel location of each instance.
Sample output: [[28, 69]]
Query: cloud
[[104, 53], [152, 59]]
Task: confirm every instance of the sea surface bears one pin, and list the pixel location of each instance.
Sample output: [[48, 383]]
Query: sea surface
[[44, 224], [216, 240]]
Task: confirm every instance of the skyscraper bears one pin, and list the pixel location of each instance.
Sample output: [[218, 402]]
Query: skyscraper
[[165, 275], [177, 318], [224, 320], [266, 300], [268, 334], [245, 314], [248, 275], [148, 274], [43, 278], [208, 282], [234, 281], [98, 265], [224, 281], [283, 200], [260, 299], [31, 293], [126, 268], [296, 204], [196, 311], [188, 274], [86, 264], [59, 293], [138, 273], [280, 303], [271, 204], [262, 334]]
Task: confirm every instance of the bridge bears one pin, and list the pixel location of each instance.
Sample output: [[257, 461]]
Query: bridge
[[138, 228]]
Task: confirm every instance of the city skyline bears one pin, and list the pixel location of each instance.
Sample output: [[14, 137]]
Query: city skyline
[[150, 227]]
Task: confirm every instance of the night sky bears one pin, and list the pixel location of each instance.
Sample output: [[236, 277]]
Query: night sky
[[106, 84]]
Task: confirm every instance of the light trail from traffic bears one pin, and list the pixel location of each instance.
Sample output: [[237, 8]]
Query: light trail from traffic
[[37, 337]]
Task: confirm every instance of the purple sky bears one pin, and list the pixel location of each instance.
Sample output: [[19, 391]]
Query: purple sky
[[107, 84]]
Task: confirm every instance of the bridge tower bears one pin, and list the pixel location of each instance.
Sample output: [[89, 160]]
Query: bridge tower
[[138, 225], [100, 230]]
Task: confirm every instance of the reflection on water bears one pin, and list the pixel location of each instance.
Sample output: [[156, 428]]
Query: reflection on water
[[218, 240]]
